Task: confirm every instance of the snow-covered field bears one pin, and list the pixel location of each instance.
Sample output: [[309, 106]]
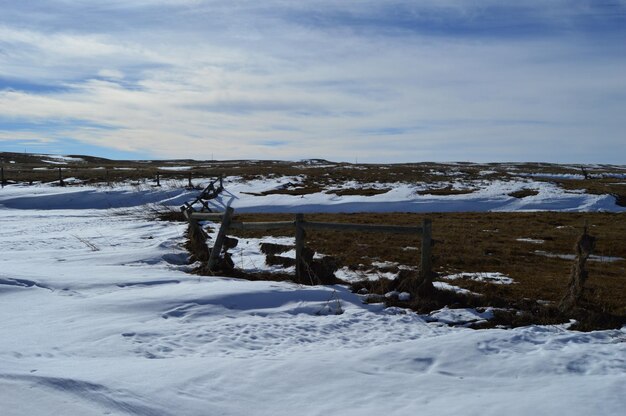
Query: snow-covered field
[[99, 316]]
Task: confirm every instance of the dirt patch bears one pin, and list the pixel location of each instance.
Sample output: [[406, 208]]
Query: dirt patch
[[446, 191], [360, 192], [523, 193]]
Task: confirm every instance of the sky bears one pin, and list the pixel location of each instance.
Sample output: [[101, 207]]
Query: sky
[[368, 80]]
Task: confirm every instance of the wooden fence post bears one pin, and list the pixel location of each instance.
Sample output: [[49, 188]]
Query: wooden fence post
[[61, 183], [300, 236], [193, 222], [158, 178], [197, 239], [2, 180], [190, 184], [219, 240], [579, 274], [426, 263]]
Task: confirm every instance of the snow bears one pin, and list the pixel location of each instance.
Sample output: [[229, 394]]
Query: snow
[[350, 276], [248, 257], [461, 316], [554, 175], [384, 264], [245, 196], [593, 257], [452, 288], [404, 296], [488, 277], [403, 197], [175, 168], [530, 240], [100, 316], [60, 160], [89, 197]]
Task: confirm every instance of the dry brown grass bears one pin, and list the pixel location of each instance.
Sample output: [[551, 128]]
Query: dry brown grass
[[486, 242]]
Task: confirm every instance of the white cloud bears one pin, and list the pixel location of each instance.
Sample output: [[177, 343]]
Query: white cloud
[[226, 77]]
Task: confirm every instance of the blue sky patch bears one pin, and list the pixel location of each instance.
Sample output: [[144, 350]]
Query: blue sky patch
[[68, 147]]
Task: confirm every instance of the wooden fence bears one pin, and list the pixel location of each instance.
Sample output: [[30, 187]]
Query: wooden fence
[[301, 225], [96, 175]]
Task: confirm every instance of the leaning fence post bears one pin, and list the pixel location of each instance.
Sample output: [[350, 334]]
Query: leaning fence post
[[300, 236], [219, 240], [426, 265]]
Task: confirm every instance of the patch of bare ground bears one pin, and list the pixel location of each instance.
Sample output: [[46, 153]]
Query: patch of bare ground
[[358, 191], [295, 191], [523, 193], [446, 191]]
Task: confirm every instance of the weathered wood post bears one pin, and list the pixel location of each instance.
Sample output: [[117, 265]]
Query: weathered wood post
[[584, 247], [300, 236], [197, 238], [190, 184], [219, 240], [585, 173], [158, 179], [2, 180], [426, 252], [193, 223], [61, 183]]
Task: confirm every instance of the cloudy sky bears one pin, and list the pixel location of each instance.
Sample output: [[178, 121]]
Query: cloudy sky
[[366, 80]]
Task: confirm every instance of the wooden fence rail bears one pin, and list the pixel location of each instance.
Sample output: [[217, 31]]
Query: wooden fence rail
[[300, 225]]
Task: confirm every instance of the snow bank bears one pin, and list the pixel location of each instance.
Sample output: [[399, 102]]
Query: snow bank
[[46, 197], [245, 196], [487, 277], [490, 196]]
